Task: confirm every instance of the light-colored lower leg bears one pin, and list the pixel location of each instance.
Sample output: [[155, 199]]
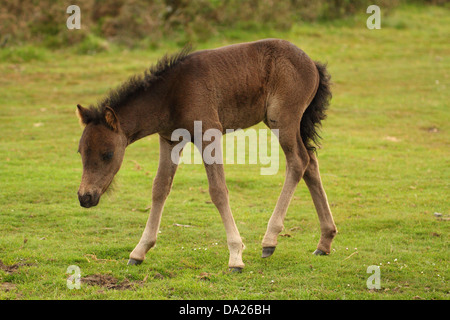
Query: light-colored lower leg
[[219, 196], [275, 225], [327, 226], [160, 190], [296, 161]]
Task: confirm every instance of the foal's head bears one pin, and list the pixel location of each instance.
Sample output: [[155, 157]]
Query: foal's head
[[102, 147]]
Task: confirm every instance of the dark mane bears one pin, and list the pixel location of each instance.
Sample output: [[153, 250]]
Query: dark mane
[[139, 83]]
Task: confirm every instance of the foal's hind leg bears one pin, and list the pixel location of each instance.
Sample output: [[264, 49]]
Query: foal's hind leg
[[327, 226], [161, 188], [296, 162]]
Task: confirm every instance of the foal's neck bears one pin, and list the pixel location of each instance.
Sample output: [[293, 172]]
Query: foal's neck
[[143, 116]]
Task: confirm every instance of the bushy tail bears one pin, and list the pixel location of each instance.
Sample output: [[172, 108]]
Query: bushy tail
[[316, 111]]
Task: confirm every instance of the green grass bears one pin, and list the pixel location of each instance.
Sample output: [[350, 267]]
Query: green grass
[[384, 163]]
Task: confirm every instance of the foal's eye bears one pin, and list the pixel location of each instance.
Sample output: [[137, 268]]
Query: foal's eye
[[107, 156]]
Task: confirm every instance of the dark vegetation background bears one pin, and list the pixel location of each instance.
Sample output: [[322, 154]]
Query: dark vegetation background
[[140, 23]]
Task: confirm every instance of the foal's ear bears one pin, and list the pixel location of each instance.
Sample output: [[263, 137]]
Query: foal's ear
[[111, 119], [83, 115]]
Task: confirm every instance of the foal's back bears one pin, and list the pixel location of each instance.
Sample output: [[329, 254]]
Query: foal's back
[[234, 86]]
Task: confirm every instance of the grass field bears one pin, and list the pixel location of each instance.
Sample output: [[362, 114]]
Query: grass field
[[384, 163]]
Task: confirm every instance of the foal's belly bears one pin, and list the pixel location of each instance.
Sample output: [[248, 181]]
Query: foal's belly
[[242, 114]]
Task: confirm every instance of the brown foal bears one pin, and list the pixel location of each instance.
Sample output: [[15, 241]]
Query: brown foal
[[232, 87]]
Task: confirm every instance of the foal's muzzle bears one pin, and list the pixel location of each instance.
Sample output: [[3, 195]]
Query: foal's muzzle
[[88, 199]]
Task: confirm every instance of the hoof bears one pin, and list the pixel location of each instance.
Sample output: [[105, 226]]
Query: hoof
[[235, 270], [267, 252], [133, 262], [319, 253]]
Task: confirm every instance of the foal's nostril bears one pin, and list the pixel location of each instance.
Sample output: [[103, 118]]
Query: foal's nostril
[[85, 199]]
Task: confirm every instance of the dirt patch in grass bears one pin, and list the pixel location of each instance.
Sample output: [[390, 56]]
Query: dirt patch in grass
[[8, 269], [11, 268], [108, 282], [7, 286]]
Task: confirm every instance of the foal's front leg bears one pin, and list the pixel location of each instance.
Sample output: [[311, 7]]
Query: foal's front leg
[[219, 196], [161, 188]]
